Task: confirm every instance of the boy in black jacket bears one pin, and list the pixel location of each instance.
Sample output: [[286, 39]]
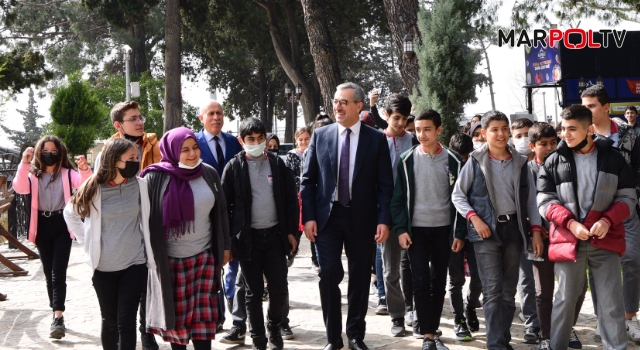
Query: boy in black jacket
[[263, 215]]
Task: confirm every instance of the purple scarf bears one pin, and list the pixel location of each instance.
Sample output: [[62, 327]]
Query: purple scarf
[[178, 209]]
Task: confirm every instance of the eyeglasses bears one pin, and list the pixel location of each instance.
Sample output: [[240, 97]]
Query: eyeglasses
[[136, 120], [343, 103]]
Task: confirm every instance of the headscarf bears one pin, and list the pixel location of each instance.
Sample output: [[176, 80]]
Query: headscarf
[[178, 208], [473, 128]]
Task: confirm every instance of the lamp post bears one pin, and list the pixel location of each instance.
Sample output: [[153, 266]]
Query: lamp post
[[409, 52], [544, 104], [293, 96], [127, 51]]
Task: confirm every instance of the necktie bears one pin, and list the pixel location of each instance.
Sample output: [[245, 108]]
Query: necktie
[[219, 153], [343, 175]]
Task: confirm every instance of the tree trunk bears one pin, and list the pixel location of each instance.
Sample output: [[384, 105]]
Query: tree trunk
[[323, 52], [270, 108], [172, 94], [264, 85], [310, 104], [288, 130], [486, 58], [138, 60], [402, 16]]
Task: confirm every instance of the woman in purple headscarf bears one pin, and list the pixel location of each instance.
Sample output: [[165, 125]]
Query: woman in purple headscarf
[[190, 241]]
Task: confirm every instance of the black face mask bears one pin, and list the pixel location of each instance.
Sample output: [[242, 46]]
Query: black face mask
[[49, 158], [130, 169], [133, 139], [581, 145]]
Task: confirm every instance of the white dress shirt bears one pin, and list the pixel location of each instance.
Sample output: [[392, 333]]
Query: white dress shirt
[[212, 144], [353, 147]]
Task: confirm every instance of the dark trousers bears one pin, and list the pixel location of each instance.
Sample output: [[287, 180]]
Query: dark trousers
[[406, 280], [457, 280], [545, 282], [54, 246], [498, 267], [358, 247], [429, 256], [268, 259], [197, 345], [119, 296]]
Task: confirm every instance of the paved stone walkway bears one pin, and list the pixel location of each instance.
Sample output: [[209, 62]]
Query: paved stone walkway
[[25, 318]]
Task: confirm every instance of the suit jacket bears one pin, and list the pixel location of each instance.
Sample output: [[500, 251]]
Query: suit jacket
[[232, 147], [372, 185]]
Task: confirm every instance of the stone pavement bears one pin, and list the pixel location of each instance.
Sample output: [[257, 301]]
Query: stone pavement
[[25, 317]]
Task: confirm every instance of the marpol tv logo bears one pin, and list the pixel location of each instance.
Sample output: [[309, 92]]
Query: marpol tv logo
[[553, 37]]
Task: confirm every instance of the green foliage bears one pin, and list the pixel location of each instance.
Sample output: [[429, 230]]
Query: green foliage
[[565, 12], [121, 14], [447, 64], [22, 68], [32, 132], [110, 89], [76, 111]]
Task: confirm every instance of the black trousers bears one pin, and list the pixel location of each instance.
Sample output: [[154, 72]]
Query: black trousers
[[457, 280], [406, 279], [119, 296], [430, 248], [268, 259], [54, 246], [358, 247]]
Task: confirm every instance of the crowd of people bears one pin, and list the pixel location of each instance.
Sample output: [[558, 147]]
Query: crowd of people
[[514, 206]]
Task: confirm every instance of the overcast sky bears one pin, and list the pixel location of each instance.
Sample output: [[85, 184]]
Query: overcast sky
[[507, 67]]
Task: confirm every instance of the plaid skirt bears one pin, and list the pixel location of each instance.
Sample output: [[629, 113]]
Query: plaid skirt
[[194, 283]]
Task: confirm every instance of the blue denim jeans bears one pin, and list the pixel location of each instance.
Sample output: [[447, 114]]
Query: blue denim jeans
[[498, 267], [379, 272]]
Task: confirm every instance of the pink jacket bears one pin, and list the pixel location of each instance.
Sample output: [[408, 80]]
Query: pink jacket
[[25, 183]]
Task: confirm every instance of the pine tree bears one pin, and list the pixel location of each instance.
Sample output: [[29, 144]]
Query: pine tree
[[447, 64], [76, 112], [32, 131]]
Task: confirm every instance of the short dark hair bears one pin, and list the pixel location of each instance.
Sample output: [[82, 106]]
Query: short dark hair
[[398, 103], [250, 126], [411, 119], [492, 116], [540, 130], [430, 114], [117, 112], [633, 108], [596, 91], [559, 128], [461, 143], [579, 113], [320, 121], [521, 123]]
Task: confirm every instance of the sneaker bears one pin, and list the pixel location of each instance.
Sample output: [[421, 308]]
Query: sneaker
[[545, 344], [57, 328], [291, 257], [265, 295], [574, 342], [397, 327], [374, 288], [417, 334], [286, 332], [633, 329], [429, 344], [219, 328], [439, 344], [521, 317], [408, 319], [275, 338], [472, 320], [438, 333], [461, 331], [381, 309], [531, 335], [235, 336]]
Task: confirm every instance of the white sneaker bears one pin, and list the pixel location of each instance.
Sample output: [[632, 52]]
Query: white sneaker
[[633, 328]]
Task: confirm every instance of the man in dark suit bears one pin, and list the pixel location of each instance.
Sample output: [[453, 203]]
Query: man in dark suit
[[346, 189], [216, 149]]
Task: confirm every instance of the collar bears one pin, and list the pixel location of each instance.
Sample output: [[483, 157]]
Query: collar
[[248, 159], [113, 184], [387, 134], [491, 156], [593, 147], [421, 150], [355, 128], [209, 136], [614, 128]]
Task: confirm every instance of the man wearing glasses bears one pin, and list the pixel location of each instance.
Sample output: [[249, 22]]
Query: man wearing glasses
[[129, 123], [346, 189]]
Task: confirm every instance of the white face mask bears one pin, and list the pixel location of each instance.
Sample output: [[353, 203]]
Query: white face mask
[[184, 166], [255, 150], [522, 145], [477, 144]]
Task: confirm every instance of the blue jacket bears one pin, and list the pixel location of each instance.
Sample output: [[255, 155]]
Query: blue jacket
[[232, 147]]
